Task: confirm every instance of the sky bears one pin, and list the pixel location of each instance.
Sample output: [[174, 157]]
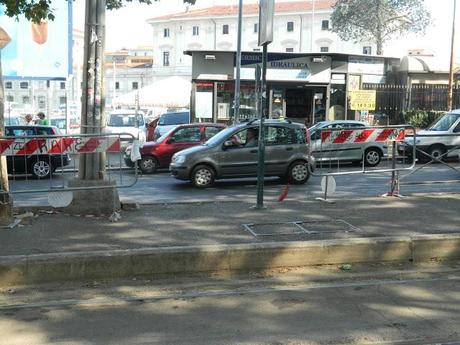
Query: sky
[[134, 31]]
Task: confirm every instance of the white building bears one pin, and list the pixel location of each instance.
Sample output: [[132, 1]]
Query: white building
[[127, 70], [299, 27]]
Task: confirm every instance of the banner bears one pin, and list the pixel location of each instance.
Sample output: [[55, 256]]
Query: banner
[[38, 51]]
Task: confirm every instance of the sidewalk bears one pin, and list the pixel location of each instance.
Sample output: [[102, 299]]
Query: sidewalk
[[219, 226]]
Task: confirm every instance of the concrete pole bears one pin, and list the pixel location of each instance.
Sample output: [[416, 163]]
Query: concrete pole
[[451, 68], [236, 110], [92, 166]]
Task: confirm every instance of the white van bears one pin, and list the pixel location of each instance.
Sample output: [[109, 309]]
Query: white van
[[126, 121]]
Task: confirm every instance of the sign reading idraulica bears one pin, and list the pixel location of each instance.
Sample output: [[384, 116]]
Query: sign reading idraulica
[[286, 67], [38, 50]]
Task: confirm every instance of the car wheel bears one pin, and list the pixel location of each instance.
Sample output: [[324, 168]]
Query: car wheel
[[436, 151], [203, 176], [372, 157], [41, 169], [298, 172], [148, 165]]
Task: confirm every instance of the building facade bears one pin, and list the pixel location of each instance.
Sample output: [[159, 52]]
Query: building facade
[[127, 70], [302, 87], [299, 27]]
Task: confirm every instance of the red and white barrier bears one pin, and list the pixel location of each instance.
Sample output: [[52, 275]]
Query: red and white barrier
[[359, 136], [65, 145]]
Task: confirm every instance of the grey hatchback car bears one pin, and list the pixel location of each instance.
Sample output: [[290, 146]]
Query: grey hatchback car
[[233, 153]]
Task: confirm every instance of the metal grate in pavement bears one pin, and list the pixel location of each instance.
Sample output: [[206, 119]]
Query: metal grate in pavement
[[310, 227]]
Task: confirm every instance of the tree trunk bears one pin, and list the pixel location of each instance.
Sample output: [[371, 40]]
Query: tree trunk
[[378, 38], [6, 206]]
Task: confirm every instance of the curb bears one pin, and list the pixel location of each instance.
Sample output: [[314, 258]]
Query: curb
[[42, 268]]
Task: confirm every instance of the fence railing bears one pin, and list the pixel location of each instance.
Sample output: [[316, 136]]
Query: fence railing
[[392, 99], [49, 163]]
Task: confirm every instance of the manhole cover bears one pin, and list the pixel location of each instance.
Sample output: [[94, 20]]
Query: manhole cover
[[60, 199], [310, 227]]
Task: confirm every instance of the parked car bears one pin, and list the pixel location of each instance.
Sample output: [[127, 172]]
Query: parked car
[[39, 165], [158, 154], [127, 121], [232, 153], [370, 152], [170, 120], [443, 136]]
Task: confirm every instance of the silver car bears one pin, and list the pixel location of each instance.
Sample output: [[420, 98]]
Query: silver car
[[233, 152], [370, 152]]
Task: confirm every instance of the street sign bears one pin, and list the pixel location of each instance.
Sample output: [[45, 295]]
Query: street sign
[[362, 99], [266, 12]]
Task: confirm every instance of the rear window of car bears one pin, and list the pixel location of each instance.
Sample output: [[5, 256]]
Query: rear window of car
[[169, 119], [125, 120], [19, 132], [299, 136]]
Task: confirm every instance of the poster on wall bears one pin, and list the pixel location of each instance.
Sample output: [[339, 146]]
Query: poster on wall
[[38, 50], [203, 105]]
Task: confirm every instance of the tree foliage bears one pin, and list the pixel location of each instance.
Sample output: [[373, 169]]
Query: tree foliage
[[43, 9], [378, 20]]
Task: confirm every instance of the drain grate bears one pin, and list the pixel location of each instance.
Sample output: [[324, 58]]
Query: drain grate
[[310, 227]]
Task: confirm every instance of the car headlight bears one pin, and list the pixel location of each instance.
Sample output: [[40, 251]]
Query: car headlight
[[179, 159]]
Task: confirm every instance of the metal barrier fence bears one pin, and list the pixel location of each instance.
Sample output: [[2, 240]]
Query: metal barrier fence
[[371, 149], [432, 149], [47, 163]]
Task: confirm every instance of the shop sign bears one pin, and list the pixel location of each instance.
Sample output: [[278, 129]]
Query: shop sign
[[362, 99], [366, 65]]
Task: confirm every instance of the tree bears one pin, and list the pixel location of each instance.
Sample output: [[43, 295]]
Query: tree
[[38, 10], [378, 20]]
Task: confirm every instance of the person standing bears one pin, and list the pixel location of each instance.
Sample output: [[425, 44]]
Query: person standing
[[42, 120], [29, 119]]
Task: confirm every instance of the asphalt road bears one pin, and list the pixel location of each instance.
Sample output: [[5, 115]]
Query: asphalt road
[[161, 187], [360, 305]]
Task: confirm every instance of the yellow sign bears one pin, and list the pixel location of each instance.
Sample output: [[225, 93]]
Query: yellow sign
[[362, 99]]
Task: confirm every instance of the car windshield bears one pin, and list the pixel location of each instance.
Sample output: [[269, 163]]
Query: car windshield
[[165, 135], [216, 139], [445, 122], [125, 120], [169, 119]]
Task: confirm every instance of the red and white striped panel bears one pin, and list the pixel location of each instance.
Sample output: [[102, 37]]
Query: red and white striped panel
[[359, 136], [65, 145]]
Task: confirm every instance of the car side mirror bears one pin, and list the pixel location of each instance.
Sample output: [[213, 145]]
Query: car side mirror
[[228, 144]]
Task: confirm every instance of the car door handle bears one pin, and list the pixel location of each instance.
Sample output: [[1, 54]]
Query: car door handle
[[289, 148], [254, 151]]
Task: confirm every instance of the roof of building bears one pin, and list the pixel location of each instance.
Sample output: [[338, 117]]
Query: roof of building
[[219, 11]]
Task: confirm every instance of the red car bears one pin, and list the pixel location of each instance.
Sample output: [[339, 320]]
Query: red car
[[158, 154]]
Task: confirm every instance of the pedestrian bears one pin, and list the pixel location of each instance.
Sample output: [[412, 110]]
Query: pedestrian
[[29, 119], [42, 120]]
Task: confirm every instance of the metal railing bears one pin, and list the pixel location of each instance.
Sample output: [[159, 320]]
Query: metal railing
[[372, 150], [47, 163]]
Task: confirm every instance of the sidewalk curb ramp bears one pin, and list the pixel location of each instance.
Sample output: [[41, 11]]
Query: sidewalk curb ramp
[[187, 260]]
